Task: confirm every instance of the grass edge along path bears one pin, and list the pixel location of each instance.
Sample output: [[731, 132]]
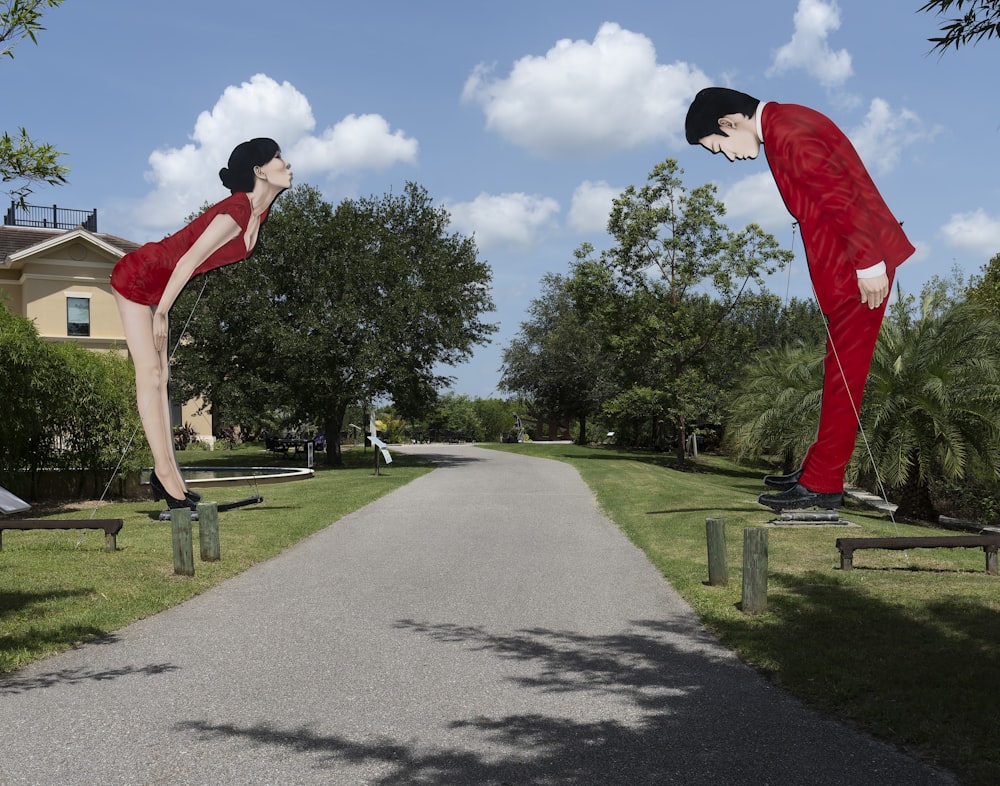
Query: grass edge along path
[[906, 646], [59, 588]]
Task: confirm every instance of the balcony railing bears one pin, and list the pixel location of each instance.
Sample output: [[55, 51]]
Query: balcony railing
[[49, 217]]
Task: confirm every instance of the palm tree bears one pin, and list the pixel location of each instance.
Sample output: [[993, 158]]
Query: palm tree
[[932, 403], [776, 408]]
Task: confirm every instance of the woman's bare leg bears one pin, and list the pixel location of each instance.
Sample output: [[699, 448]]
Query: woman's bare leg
[[151, 376]]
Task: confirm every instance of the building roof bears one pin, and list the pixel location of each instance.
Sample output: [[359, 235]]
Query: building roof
[[14, 239]]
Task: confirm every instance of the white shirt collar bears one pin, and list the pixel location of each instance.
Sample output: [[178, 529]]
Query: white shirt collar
[[757, 116]]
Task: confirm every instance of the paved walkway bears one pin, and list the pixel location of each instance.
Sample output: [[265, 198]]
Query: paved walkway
[[482, 626]]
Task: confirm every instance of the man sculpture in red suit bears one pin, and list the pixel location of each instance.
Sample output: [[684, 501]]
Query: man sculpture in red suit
[[853, 246]]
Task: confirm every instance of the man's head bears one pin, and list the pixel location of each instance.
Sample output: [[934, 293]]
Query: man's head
[[722, 121]]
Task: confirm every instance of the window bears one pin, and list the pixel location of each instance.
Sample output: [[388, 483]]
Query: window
[[77, 315]]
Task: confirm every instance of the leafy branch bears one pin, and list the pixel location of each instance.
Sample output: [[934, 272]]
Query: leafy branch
[[21, 158], [981, 19]]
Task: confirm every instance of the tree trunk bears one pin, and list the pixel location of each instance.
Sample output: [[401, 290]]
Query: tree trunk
[[332, 423], [582, 437]]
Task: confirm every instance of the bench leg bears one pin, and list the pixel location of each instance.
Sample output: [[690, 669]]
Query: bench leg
[[110, 541], [847, 560], [991, 560]]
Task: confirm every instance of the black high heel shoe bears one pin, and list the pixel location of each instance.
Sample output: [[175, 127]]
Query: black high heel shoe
[[192, 497], [161, 493]]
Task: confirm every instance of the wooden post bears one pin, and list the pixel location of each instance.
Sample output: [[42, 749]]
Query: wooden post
[[991, 560], [718, 568], [754, 570], [208, 531], [180, 529]]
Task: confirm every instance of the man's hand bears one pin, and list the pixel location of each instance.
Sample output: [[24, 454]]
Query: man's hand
[[874, 290]]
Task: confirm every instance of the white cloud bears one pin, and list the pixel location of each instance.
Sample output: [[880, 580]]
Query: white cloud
[[923, 253], [755, 199], [591, 206], [588, 97], [185, 178], [975, 231], [504, 220], [880, 139], [809, 50], [355, 143]]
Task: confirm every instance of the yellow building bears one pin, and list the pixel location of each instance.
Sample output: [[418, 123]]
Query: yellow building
[[55, 269]]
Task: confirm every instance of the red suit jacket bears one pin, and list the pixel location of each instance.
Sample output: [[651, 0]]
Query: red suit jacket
[[844, 221]]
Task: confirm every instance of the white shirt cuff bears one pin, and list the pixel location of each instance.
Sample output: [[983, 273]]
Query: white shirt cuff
[[872, 272]]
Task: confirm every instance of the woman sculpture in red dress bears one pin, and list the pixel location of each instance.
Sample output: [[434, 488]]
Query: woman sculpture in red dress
[[147, 281]]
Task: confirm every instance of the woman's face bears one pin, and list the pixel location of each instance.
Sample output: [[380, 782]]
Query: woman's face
[[277, 171]]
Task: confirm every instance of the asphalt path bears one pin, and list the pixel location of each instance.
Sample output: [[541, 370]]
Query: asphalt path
[[485, 625]]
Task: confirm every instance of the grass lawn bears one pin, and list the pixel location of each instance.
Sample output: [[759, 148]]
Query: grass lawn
[[59, 588], [906, 646]]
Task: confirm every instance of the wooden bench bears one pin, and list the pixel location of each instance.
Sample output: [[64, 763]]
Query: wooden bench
[[988, 543], [111, 527]]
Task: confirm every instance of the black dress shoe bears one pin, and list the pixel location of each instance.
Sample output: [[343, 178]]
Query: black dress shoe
[[161, 493], [783, 482], [799, 497]]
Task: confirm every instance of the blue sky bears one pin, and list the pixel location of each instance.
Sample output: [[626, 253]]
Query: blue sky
[[524, 119]]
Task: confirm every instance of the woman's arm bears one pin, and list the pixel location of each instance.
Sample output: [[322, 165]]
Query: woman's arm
[[220, 231]]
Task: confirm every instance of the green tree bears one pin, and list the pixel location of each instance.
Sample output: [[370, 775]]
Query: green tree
[[978, 19], [634, 411], [496, 418], [69, 408], [91, 419], [336, 307], [984, 288], [675, 256], [25, 384], [454, 414], [561, 359], [759, 322], [430, 293], [932, 404], [24, 162]]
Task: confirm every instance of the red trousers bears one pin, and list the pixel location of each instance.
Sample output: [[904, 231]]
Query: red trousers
[[852, 332]]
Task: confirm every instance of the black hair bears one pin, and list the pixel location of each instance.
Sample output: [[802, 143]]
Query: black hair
[[712, 103], [239, 176]]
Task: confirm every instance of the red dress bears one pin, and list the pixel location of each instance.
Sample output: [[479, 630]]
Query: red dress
[[142, 275]]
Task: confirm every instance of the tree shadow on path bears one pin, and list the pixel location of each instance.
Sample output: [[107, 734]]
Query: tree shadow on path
[[659, 703]]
